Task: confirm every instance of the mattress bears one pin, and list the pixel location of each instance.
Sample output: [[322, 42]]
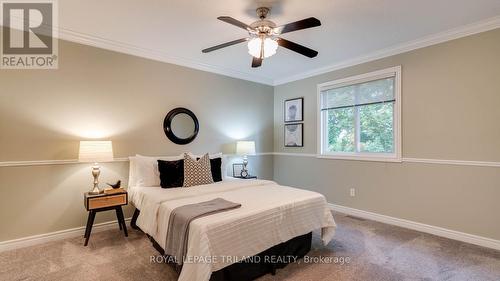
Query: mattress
[[270, 214]]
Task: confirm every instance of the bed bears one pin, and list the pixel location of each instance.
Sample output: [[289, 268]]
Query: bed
[[271, 215]]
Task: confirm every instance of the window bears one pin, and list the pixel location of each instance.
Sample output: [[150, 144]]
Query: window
[[359, 117]]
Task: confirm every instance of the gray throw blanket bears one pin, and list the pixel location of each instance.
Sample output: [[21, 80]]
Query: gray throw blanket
[[181, 217]]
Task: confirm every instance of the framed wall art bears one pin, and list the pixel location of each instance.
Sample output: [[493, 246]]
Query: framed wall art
[[293, 111], [294, 135]]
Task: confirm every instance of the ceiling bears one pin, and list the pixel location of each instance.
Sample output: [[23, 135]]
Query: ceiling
[[177, 30]]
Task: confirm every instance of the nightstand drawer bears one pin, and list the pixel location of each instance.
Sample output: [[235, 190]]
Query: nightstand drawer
[[107, 201]]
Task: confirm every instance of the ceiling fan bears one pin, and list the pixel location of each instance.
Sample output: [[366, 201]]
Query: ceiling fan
[[264, 36]]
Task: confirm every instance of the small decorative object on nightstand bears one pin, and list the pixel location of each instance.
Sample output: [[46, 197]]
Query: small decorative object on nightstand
[[95, 151], [245, 148], [118, 184], [95, 203], [237, 167]]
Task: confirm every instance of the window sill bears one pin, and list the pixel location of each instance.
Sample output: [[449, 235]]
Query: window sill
[[360, 158]]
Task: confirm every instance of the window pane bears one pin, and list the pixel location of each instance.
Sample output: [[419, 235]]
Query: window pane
[[341, 130], [376, 128]]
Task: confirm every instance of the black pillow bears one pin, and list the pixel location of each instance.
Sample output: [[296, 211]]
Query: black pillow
[[171, 173], [215, 167]]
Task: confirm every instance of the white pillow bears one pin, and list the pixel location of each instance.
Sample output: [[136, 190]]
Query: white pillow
[[131, 171], [212, 156], [144, 169]]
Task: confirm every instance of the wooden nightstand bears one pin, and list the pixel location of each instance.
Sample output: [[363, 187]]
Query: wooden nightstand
[[105, 202]]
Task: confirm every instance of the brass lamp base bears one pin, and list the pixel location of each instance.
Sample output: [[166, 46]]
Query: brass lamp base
[[95, 191], [96, 172]]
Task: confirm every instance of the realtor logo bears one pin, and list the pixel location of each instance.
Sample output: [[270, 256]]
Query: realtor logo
[[28, 39]]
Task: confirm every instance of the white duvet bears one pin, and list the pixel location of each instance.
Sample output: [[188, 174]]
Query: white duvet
[[270, 214]]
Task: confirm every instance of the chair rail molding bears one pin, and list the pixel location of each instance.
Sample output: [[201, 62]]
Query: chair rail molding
[[291, 154], [75, 161], [404, 160]]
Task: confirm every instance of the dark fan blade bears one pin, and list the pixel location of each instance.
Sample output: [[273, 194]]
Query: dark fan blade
[[256, 62], [297, 48], [298, 25], [227, 44], [236, 22]]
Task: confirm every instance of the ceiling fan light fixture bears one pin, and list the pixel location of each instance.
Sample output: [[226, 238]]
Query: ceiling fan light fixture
[[255, 45], [264, 36]]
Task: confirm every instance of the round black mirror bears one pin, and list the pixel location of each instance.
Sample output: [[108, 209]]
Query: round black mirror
[[181, 125]]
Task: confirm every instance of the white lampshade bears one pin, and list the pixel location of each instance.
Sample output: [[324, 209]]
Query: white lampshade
[[245, 148], [95, 151], [255, 44]]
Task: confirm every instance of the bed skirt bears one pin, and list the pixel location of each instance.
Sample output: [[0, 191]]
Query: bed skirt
[[265, 262]]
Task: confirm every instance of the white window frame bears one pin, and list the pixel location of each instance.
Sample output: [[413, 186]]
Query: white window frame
[[363, 156]]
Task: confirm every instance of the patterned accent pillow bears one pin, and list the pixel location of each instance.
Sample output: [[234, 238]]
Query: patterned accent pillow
[[216, 167], [197, 172]]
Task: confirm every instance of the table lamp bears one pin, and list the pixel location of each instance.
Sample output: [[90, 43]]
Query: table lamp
[[245, 148], [94, 152]]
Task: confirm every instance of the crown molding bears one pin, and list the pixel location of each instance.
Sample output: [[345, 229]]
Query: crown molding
[[129, 49], [125, 48], [452, 34]]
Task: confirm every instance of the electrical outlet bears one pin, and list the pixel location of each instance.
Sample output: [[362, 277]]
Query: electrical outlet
[[352, 192]]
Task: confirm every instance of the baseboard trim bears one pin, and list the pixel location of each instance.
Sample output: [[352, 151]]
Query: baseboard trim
[[435, 230], [57, 235]]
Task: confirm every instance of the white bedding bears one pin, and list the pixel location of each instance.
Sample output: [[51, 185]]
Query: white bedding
[[270, 214]]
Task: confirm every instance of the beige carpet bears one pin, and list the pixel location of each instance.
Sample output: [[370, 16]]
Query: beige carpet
[[374, 251]]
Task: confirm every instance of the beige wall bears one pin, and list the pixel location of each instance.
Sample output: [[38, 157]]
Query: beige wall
[[449, 111], [102, 94], [450, 101]]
